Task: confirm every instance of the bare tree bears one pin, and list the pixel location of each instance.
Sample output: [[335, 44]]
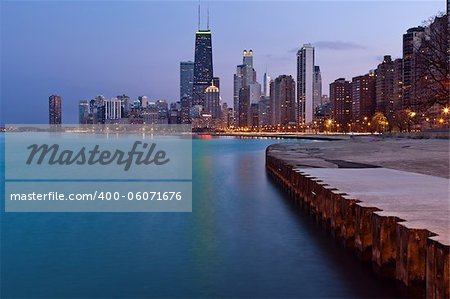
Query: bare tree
[[433, 80]]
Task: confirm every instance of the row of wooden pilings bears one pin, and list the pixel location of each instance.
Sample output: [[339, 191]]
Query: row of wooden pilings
[[395, 251]]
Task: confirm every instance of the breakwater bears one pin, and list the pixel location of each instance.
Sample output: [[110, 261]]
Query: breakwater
[[394, 219]]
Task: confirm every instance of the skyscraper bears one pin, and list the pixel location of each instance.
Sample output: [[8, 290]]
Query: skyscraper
[[385, 87], [317, 88], [186, 78], [54, 110], [245, 76], [83, 112], [244, 116], [411, 44], [341, 101], [363, 97], [203, 65], [265, 111], [125, 104], [212, 105], [305, 83], [143, 101], [266, 85], [113, 109], [282, 95]]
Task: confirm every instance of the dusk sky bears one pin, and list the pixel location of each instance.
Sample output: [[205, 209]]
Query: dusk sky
[[80, 49]]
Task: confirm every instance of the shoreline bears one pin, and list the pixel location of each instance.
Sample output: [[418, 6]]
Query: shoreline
[[369, 194]]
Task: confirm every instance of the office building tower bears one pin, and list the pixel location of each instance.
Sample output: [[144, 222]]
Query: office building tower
[[203, 65], [245, 76], [54, 110], [126, 104], [113, 109], [305, 83], [212, 106], [266, 85], [243, 118], [282, 95], [185, 112], [83, 112], [151, 114], [163, 111], [265, 111], [143, 101], [317, 88], [254, 109], [341, 102], [175, 113], [186, 78]]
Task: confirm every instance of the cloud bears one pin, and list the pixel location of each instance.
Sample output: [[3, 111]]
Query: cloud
[[338, 45], [277, 57]]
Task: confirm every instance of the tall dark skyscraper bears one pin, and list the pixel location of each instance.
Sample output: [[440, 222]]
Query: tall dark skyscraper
[[412, 40], [203, 65], [305, 84], [282, 94], [186, 78], [54, 110], [385, 87]]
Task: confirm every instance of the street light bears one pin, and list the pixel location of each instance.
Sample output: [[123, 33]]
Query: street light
[[446, 111]]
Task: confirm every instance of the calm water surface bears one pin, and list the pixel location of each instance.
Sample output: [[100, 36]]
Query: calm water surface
[[243, 239]]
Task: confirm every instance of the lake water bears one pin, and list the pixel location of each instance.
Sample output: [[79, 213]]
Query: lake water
[[244, 238]]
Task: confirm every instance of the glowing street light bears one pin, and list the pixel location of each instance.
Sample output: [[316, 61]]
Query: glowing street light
[[446, 110]]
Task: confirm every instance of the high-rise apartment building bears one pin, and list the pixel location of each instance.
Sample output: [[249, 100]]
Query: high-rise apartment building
[[363, 97], [411, 44], [385, 87], [341, 101], [317, 88], [305, 83], [54, 110], [282, 95]]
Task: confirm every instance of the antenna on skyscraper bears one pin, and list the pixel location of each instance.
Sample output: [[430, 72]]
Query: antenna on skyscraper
[[207, 17], [198, 26]]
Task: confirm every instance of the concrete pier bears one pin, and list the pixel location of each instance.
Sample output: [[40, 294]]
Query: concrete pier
[[386, 199]]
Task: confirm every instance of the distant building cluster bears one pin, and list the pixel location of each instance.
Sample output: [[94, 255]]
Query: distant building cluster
[[123, 110], [400, 94]]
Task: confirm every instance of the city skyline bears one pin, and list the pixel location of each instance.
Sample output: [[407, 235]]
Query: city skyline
[[15, 72]]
